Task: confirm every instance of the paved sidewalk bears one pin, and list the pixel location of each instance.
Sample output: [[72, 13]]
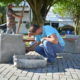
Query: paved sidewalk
[[66, 67]]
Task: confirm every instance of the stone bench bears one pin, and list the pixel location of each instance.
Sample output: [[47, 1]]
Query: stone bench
[[72, 44], [29, 61], [10, 45]]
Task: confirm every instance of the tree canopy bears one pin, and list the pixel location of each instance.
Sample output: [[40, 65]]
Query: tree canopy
[[39, 8], [71, 8]]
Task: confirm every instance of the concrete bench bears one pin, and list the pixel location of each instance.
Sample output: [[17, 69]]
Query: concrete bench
[[10, 45], [72, 44]]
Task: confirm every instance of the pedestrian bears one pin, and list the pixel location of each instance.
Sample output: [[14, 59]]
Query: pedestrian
[[10, 18]]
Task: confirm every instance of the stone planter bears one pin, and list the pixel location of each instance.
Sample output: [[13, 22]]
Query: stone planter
[[10, 45], [29, 61]]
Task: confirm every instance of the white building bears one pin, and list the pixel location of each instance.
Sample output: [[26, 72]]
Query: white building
[[55, 18], [26, 16]]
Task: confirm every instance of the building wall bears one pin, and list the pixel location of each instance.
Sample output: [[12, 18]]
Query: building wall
[[26, 18]]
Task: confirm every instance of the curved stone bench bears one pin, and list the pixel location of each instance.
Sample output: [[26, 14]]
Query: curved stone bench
[[29, 61]]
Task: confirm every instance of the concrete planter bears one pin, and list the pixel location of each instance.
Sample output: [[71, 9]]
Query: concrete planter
[[10, 45], [29, 61]]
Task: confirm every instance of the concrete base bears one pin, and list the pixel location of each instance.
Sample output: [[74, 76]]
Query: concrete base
[[29, 61], [10, 45]]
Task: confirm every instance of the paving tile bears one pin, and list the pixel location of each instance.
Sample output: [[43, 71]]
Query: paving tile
[[66, 67]]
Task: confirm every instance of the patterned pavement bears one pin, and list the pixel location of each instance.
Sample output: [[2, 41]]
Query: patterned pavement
[[66, 67]]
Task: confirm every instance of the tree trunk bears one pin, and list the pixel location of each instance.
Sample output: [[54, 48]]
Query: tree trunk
[[40, 9], [37, 18], [77, 22], [78, 28]]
